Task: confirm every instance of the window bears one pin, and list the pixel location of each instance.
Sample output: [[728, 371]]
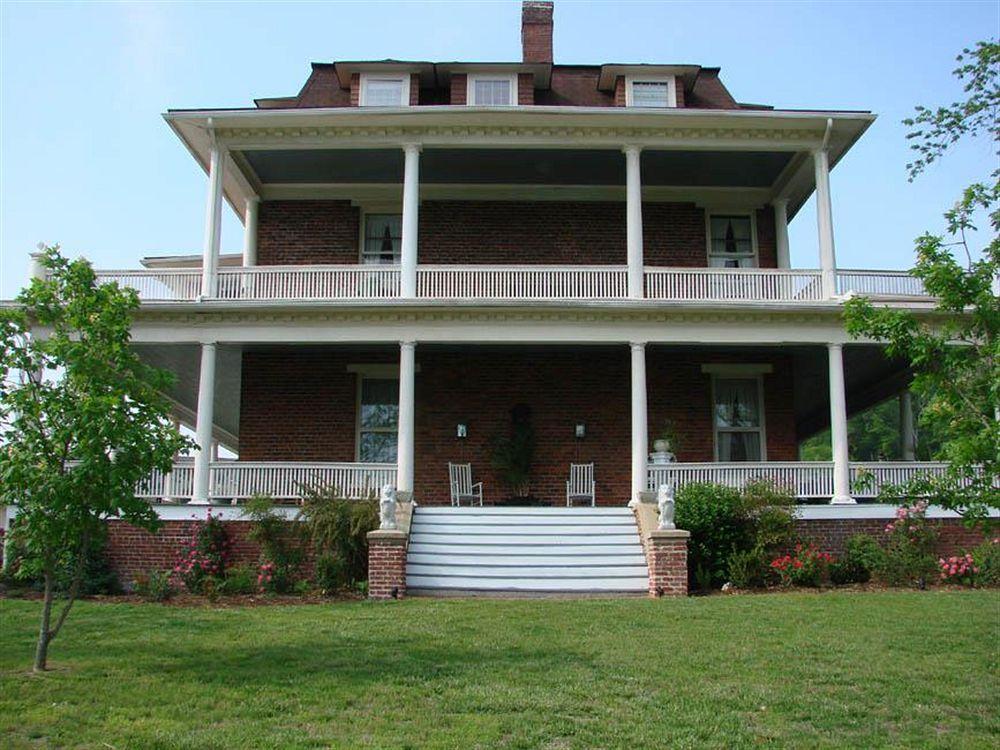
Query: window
[[731, 241], [378, 419], [384, 90], [650, 93], [738, 419], [492, 91], [382, 237]]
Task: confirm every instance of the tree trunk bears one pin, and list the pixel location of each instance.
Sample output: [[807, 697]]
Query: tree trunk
[[44, 634]]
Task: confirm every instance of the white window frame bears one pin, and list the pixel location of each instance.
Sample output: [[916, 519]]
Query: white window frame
[[392, 208], [370, 372], [404, 78], [470, 88], [737, 372], [671, 82], [753, 234]]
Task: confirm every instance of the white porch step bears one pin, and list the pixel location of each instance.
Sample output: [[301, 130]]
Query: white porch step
[[540, 550]]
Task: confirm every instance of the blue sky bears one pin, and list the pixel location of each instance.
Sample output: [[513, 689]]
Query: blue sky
[[86, 160]]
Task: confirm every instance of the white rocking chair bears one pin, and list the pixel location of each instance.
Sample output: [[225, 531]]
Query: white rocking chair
[[462, 488], [581, 485]]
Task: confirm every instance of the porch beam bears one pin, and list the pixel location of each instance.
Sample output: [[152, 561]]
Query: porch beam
[[203, 425], [781, 232], [838, 427], [405, 434], [633, 220], [410, 228], [213, 221], [639, 426]]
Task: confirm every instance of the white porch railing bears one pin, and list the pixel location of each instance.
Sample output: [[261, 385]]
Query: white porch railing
[[522, 282], [179, 285], [308, 282], [233, 481], [880, 283], [806, 479], [733, 284]]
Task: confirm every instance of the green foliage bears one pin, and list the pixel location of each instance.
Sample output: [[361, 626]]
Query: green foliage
[[337, 528], [724, 522], [750, 569], [97, 576], [153, 586], [202, 561], [240, 579], [82, 418], [514, 453], [987, 559], [804, 566], [909, 548], [956, 355], [282, 544]]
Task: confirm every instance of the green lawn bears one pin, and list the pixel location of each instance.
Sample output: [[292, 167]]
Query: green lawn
[[904, 669]]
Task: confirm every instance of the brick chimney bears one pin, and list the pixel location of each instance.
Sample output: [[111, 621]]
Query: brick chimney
[[536, 31]]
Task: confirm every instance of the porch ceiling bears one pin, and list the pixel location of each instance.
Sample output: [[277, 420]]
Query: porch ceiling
[[660, 168]]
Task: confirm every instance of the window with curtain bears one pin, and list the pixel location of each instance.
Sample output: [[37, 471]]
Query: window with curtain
[[378, 420], [383, 92], [492, 92], [651, 94], [737, 419], [383, 235], [731, 241]]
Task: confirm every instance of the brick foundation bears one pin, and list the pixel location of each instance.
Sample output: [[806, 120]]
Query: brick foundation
[[386, 564], [830, 535], [666, 555]]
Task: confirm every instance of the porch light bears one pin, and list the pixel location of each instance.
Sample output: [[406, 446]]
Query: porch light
[[581, 431], [461, 431]]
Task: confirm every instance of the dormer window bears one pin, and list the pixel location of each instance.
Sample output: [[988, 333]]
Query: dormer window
[[379, 90], [492, 90], [651, 92]]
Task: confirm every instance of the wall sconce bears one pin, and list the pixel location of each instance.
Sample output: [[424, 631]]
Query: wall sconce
[[461, 431], [580, 431]]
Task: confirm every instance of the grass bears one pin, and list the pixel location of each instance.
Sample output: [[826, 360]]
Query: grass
[[904, 669]]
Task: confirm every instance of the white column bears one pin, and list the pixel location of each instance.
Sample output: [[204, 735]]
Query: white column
[[250, 231], [35, 268], [404, 446], [168, 478], [907, 435], [213, 222], [781, 233], [411, 208], [640, 443], [838, 427], [203, 425], [824, 222], [633, 220]]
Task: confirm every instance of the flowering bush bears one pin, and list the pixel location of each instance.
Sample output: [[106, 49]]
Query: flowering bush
[[265, 578], [958, 569], [987, 559], [806, 567], [909, 549], [203, 558]]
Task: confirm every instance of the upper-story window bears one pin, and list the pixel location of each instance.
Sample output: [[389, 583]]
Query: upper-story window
[[492, 90], [650, 92], [731, 242], [382, 235], [379, 90]]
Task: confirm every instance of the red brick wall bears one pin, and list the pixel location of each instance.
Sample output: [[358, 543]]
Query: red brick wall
[[536, 31], [386, 565], [830, 535], [304, 232], [355, 89], [673, 234], [525, 89], [574, 85], [620, 91], [459, 88], [299, 404]]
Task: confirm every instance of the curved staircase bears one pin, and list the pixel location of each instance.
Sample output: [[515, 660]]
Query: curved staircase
[[525, 551]]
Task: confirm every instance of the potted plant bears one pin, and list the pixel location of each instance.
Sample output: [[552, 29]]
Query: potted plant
[[513, 455]]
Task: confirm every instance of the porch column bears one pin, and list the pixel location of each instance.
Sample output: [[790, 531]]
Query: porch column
[[213, 221], [824, 222], [203, 425], [404, 446], [411, 207], [838, 427], [639, 438], [250, 231], [907, 435], [781, 232], [633, 220]]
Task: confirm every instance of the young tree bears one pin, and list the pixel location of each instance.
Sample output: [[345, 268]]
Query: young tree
[[956, 356], [83, 421]]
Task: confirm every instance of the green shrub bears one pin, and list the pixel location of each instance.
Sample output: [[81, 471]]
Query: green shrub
[[239, 580], [337, 529], [843, 572], [202, 559], [908, 556], [724, 521], [281, 544], [98, 577], [862, 557], [987, 559], [749, 569], [805, 566], [153, 586]]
